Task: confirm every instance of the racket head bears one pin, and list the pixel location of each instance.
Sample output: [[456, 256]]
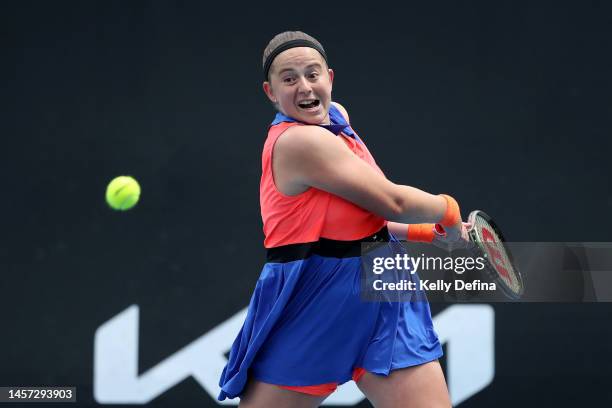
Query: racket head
[[499, 264]]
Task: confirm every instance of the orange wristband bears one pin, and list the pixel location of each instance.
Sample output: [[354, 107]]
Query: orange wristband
[[420, 232], [452, 216]]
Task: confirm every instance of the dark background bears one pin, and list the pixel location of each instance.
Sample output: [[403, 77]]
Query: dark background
[[506, 106]]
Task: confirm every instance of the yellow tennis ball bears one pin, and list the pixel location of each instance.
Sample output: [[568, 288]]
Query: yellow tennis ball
[[122, 193]]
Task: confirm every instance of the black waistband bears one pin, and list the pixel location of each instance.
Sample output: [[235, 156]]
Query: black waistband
[[324, 247]]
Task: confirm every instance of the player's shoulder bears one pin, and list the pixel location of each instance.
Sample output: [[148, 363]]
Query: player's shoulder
[[299, 142], [342, 110], [304, 136]]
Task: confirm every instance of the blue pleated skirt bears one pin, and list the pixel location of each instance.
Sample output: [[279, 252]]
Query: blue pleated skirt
[[307, 325]]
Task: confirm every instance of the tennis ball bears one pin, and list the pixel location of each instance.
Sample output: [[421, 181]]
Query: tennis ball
[[122, 193]]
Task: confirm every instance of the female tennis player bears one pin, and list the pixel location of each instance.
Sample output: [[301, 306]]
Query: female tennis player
[[322, 194]]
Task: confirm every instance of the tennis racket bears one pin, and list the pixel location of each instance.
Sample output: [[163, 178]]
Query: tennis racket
[[489, 244]]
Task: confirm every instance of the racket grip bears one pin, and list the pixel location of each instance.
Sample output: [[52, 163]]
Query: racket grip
[[439, 230]]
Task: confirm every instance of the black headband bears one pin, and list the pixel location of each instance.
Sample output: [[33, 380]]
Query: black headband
[[285, 46]]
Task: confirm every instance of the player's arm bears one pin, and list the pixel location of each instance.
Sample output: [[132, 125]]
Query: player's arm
[[411, 232], [399, 230], [404, 232], [431, 233], [310, 156]]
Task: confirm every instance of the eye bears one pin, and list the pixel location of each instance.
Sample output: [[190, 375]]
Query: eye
[[288, 79], [313, 75]]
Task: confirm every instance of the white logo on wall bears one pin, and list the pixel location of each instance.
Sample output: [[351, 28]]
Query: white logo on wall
[[467, 330]]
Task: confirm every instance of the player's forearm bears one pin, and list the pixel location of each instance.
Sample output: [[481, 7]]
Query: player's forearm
[[417, 213], [399, 230], [414, 206], [412, 232]]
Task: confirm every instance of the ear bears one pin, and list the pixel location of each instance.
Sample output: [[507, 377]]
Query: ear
[[331, 75], [267, 88]]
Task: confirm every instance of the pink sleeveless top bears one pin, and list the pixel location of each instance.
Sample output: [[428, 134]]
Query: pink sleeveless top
[[315, 213]]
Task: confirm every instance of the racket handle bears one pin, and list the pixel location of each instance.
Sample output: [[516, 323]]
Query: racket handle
[[439, 230]]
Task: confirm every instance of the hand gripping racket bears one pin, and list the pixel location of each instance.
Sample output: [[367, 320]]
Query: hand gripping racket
[[489, 244]]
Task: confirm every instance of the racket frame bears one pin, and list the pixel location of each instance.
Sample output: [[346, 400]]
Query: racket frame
[[491, 271]]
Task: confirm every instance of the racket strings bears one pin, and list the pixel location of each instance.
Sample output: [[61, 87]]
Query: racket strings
[[511, 278]]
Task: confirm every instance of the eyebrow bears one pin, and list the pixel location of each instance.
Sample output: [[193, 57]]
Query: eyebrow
[[315, 64]]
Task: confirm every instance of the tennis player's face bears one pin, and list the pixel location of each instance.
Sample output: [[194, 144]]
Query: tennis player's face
[[301, 84]]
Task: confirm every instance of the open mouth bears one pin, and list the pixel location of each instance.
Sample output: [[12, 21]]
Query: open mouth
[[309, 104]]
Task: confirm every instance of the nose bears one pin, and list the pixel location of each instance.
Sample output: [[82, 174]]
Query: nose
[[304, 85]]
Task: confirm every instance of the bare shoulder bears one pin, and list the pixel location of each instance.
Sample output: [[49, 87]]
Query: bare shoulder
[[302, 155], [300, 141], [342, 110], [311, 156]]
